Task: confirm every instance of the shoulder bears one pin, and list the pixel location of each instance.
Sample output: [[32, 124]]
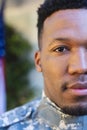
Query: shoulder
[[18, 114]]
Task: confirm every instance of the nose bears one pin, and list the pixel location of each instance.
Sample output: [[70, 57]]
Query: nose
[[78, 62]]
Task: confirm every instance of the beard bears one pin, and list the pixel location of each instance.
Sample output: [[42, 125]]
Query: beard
[[75, 110], [78, 108]]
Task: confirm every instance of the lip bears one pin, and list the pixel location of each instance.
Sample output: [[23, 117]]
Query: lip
[[78, 88]]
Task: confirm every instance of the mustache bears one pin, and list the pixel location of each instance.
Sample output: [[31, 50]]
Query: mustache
[[76, 80]]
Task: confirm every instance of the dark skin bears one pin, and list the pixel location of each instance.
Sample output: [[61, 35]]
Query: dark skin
[[63, 60]]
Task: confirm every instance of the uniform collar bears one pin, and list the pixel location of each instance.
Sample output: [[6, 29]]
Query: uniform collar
[[52, 115]]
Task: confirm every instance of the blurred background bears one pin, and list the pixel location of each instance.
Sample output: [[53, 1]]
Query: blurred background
[[23, 82]]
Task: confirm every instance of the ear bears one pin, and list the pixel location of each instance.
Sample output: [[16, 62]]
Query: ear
[[38, 61]]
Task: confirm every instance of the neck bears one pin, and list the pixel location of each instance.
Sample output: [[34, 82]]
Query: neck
[[55, 118]]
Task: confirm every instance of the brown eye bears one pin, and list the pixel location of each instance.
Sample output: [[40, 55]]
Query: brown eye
[[62, 49]]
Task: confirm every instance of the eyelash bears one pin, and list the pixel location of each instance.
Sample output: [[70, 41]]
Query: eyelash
[[61, 49]]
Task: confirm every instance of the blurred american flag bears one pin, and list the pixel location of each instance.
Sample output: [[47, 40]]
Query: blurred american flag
[[2, 60]]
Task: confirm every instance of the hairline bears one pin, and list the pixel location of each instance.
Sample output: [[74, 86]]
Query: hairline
[[42, 28]]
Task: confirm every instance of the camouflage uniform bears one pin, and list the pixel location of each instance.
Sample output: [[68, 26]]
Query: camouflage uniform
[[41, 115]]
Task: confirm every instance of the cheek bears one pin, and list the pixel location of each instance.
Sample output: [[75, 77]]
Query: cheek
[[54, 67]]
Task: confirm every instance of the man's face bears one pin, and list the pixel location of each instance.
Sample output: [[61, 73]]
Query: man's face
[[63, 60]]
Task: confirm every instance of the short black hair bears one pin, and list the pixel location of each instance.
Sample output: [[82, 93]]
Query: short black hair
[[51, 6]]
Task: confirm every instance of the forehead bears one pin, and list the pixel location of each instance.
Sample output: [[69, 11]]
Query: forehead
[[68, 14], [65, 22]]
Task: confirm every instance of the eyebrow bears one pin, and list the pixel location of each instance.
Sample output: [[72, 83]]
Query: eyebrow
[[67, 40]]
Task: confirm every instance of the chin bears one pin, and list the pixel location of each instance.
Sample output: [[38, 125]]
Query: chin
[[75, 110]]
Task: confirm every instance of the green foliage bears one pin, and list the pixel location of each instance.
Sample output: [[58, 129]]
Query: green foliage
[[18, 66]]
